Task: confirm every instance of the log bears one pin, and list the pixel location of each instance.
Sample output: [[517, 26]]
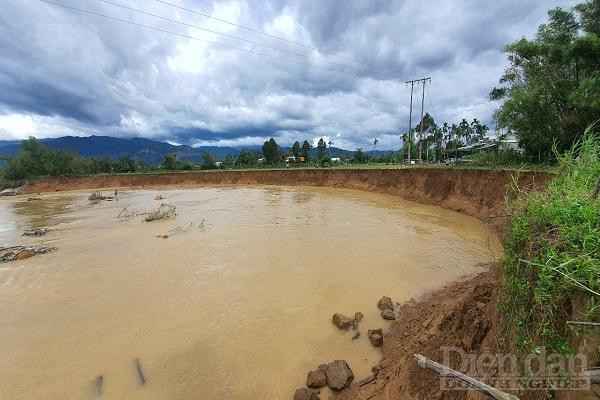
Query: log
[[584, 323], [594, 374], [446, 372], [140, 373]]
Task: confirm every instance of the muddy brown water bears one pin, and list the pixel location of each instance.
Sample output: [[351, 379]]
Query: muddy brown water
[[236, 303]]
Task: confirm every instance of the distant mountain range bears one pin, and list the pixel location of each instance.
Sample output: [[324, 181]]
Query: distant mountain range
[[150, 151]]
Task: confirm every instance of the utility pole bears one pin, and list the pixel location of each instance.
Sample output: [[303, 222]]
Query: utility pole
[[412, 82], [412, 86]]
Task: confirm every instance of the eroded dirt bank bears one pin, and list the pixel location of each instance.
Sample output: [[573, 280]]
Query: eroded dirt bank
[[477, 193], [459, 315]]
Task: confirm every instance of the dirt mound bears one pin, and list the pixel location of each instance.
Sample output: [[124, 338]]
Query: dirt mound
[[459, 315]]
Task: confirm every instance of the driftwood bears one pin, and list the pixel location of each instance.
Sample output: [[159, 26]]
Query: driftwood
[[584, 323], [36, 232], [97, 385], [367, 380], [594, 374], [446, 372], [140, 372]]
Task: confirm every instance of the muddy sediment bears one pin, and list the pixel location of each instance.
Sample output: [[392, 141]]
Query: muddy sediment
[[459, 315]]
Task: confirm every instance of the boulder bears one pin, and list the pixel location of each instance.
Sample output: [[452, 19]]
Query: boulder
[[388, 314], [316, 379], [305, 394], [339, 374], [358, 316], [376, 339], [385, 303], [341, 321]]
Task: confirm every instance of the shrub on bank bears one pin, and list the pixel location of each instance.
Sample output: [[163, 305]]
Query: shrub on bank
[[552, 255]]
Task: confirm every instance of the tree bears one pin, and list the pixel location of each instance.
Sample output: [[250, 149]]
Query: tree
[[246, 159], [359, 156], [551, 90], [306, 150], [208, 161], [296, 149], [321, 147], [170, 162], [270, 151]]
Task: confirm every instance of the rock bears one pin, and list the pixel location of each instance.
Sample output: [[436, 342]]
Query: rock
[[341, 321], [339, 374], [305, 394], [375, 337], [358, 316], [385, 303], [25, 253], [356, 336], [316, 379], [376, 340], [388, 314]]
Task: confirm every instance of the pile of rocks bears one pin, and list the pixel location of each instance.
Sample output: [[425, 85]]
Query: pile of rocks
[[337, 375]]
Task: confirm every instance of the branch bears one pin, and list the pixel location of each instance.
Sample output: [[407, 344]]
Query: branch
[[446, 372]]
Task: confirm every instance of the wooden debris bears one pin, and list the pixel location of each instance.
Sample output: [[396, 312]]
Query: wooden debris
[[164, 211], [594, 374], [367, 380], [584, 323], [139, 371], [98, 385], [22, 252], [465, 380], [36, 232]]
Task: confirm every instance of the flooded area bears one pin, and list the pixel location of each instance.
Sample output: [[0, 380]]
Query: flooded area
[[235, 303]]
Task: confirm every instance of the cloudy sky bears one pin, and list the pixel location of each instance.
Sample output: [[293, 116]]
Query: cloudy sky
[[66, 72]]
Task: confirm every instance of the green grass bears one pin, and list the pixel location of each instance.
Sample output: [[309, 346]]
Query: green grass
[[552, 256]]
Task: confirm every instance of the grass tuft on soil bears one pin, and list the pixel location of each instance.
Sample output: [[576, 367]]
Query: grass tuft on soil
[[552, 255]]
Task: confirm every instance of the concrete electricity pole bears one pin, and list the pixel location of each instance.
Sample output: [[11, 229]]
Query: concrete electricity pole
[[412, 86], [412, 83]]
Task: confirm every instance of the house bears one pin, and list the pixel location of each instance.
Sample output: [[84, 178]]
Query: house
[[336, 160]]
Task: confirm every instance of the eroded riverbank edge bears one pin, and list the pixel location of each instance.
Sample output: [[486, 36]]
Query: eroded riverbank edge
[[461, 314]]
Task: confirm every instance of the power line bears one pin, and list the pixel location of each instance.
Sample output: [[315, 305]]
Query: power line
[[277, 37], [193, 37], [230, 36]]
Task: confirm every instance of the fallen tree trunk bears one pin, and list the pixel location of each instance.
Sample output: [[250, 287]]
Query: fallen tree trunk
[[446, 372]]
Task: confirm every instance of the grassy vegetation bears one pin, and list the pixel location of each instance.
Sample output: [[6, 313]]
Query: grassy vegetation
[[552, 264]]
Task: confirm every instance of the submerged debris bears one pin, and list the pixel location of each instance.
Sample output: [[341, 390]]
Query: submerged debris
[[22, 252], [139, 371], [178, 230], [36, 232], [95, 197], [158, 197], [97, 385], [164, 211], [127, 212], [11, 191]]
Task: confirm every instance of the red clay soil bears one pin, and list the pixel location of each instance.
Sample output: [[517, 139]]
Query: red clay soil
[[461, 314]]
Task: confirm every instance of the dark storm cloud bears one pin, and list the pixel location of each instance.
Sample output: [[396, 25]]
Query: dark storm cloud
[[66, 72]]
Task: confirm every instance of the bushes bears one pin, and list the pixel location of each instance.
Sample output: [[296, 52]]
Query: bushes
[[552, 255]]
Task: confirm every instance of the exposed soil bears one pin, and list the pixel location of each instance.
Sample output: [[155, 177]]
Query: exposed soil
[[459, 315], [478, 193]]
